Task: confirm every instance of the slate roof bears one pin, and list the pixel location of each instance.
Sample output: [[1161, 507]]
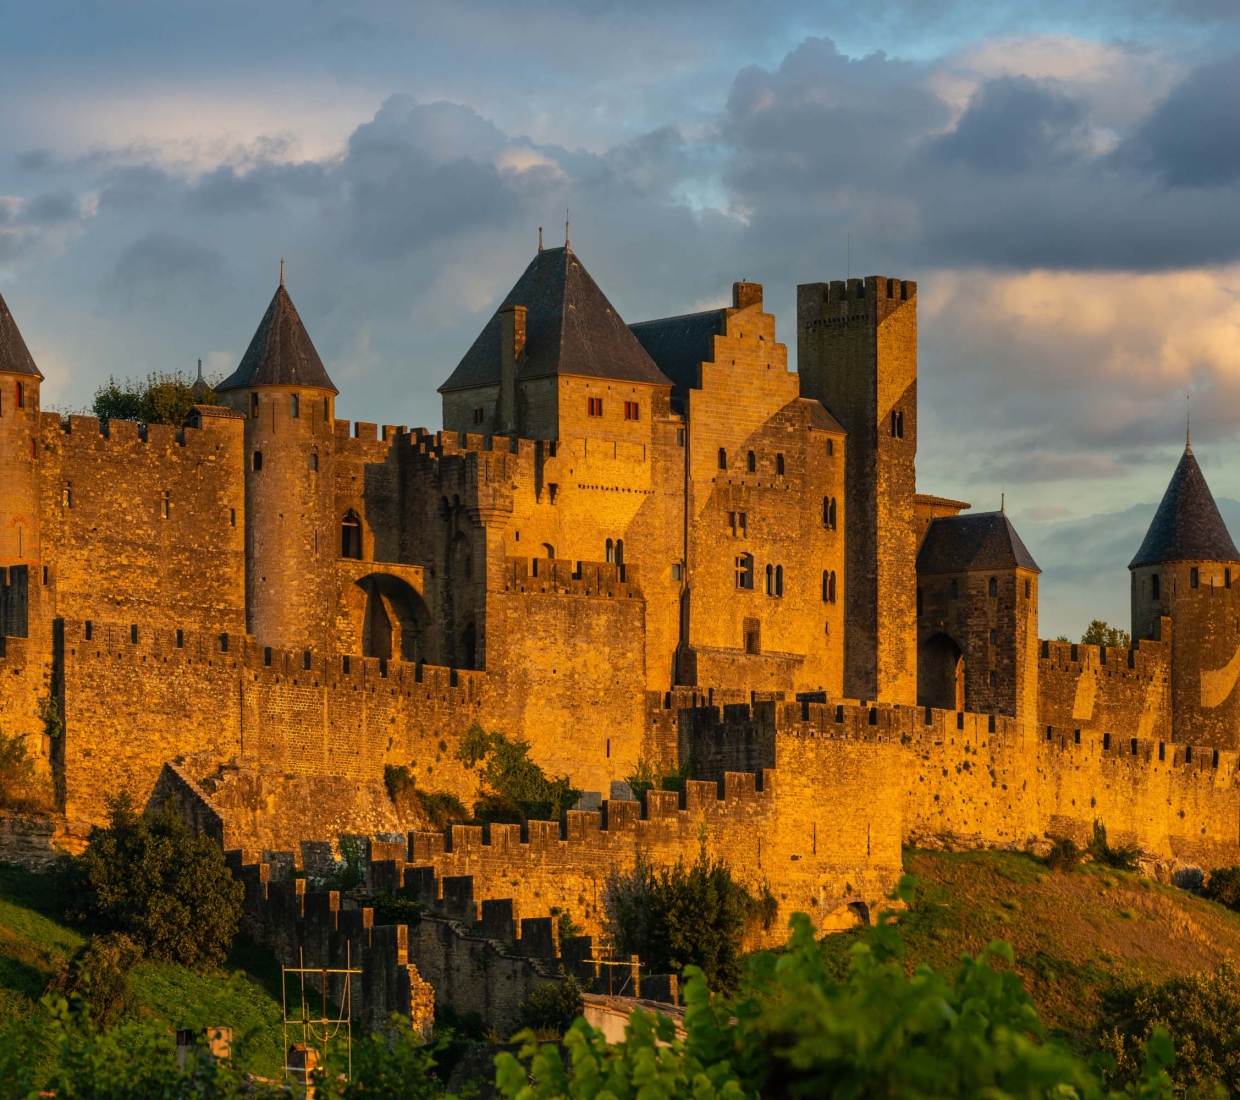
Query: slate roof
[[821, 418], [281, 353], [15, 357], [678, 344], [1187, 525], [981, 540], [570, 328]]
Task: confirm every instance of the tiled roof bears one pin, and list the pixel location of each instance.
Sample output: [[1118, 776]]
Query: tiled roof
[[281, 353], [15, 357], [983, 540], [570, 328], [1187, 525]]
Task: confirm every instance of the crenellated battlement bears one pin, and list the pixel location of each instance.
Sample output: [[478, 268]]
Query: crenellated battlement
[[558, 577], [88, 435], [1145, 659]]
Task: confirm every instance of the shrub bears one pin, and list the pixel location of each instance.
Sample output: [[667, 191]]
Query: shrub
[[99, 975], [795, 1031], [1065, 854], [160, 398], [395, 909], [387, 1065], [1202, 1014], [348, 873], [1122, 859], [22, 788], [149, 877], [439, 808], [551, 1008], [566, 927], [657, 775], [513, 788], [1224, 885], [677, 917]]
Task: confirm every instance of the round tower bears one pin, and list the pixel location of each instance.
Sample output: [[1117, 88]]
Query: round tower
[[1184, 582], [288, 400], [19, 486]]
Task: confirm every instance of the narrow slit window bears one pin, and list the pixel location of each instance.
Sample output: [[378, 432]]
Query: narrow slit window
[[294, 406], [723, 459], [779, 465], [21, 395], [751, 462], [351, 536], [258, 460], [253, 405]]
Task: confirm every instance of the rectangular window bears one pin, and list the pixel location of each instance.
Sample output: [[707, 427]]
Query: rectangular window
[[594, 406], [1193, 577], [66, 495], [1154, 586], [830, 447], [744, 571], [992, 589], [314, 462], [753, 636], [678, 572], [258, 460], [294, 406], [479, 414], [630, 410], [253, 405], [166, 505], [739, 522]]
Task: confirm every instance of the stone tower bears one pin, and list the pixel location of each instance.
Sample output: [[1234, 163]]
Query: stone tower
[[19, 486], [857, 354], [291, 532], [1185, 572]]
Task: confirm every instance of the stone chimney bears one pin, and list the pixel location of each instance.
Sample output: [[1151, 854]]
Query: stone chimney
[[511, 354], [746, 294]]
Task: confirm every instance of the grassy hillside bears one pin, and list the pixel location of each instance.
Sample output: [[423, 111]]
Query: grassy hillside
[[245, 996], [1076, 935]]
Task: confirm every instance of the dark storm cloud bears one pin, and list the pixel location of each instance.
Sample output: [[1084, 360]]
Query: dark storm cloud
[[230, 191], [160, 267]]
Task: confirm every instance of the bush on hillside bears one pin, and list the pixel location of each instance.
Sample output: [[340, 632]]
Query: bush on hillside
[[551, 1008], [99, 974], [147, 876], [682, 916], [1123, 858], [795, 1031], [160, 398], [513, 788], [1223, 885], [1202, 1014], [22, 788], [1064, 854]]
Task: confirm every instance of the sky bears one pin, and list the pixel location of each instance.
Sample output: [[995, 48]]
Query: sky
[[1061, 179]]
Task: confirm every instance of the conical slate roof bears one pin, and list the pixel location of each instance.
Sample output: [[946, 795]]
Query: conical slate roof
[[570, 328], [15, 357], [1187, 525], [281, 353], [980, 540]]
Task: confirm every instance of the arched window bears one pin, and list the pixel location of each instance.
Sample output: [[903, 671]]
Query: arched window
[[751, 462], [351, 536], [619, 551], [723, 459], [548, 549], [611, 551], [779, 580], [770, 580], [744, 571], [833, 513], [828, 586], [294, 407], [828, 513], [779, 465]]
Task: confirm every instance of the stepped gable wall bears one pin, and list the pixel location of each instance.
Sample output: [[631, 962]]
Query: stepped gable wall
[[136, 697], [145, 524], [767, 827], [1109, 689], [979, 779]]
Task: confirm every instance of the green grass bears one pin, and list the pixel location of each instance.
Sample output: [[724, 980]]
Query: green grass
[[1076, 935], [244, 995]]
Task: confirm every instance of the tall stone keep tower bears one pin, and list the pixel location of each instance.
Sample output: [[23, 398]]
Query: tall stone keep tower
[[1188, 571], [857, 354], [19, 486], [291, 532]]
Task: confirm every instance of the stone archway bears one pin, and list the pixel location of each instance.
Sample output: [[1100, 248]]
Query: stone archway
[[396, 619], [940, 673]]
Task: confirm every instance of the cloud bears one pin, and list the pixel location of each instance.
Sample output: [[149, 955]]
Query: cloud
[[160, 267]]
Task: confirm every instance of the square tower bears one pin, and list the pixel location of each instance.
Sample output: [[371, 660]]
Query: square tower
[[857, 354]]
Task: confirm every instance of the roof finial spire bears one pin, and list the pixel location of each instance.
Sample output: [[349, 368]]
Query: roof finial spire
[[200, 368], [1003, 503], [281, 270], [1188, 426], [566, 245], [540, 238]]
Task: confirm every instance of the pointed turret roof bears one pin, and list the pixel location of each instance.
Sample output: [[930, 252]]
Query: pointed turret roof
[[981, 540], [15, 357], [1187, 525], [570, 328], [281, 353]]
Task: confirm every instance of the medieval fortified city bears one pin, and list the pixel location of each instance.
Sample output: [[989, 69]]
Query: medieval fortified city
[[653, 726]]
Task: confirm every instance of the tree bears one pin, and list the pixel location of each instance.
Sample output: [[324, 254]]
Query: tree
[[150, 878], [551, 1008], [1123, 858], [161, 398], [795, 1031], [1223, 886], [513, 788], [677, 917], [99, 974], [22, 788], [1100, 632]]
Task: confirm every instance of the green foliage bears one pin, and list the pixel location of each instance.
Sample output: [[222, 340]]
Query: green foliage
[[513, 788], [677, 917], [796, 1031], [566, 927], [1202, 1014], [163, 397], [99, 974], [149, 877], [1223, 885], [439, 807], [22, 788], [1100, 632], [658, 775], [1123, 858], [551, 1008], [394, 909], [1065, 854], [389, 1065], [348, 874]]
